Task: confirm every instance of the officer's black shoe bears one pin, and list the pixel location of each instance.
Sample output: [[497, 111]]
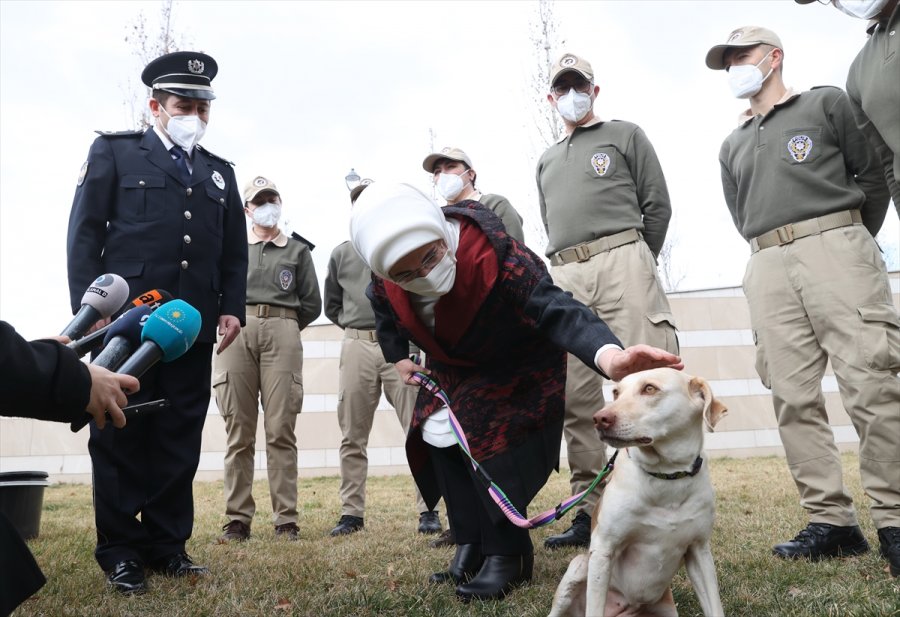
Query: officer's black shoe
[[347, 524], [466, 563], [179, 564], [889, 537], [430, 522], [579, 534], [497, 577], [823, 541], [127, 577]]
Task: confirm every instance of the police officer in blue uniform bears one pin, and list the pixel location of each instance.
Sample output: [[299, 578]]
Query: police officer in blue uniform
[[162, 212]]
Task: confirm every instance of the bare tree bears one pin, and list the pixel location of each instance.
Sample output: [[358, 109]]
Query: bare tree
[[546, 45], [670, 276], [147, 42]]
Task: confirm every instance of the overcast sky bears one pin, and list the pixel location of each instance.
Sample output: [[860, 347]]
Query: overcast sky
[[307, 90]]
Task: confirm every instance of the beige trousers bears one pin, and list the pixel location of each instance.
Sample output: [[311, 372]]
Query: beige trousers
[[621, 287], [264, 362], [825, 297], [364, 373]]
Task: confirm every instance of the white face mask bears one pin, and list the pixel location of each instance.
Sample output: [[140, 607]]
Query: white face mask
[[267, 215], [863, 9], [184, 131], [438, 282], [574, 106], [450, 185], [746, 80]]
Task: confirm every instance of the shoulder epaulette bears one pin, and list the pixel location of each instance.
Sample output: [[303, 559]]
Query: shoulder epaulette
[[215, 156], [119, 133], [831, 87], [309, 244]]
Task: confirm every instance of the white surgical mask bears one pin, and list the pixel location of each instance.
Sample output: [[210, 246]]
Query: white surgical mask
[[438, 282], [574, 106], [863, 9], [746, 80], [184, 131], [450, 185], [267, 215]]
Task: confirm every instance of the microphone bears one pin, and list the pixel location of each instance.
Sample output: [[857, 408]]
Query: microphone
[[167, 334], [103, 297], [153, 298], [122, 338]]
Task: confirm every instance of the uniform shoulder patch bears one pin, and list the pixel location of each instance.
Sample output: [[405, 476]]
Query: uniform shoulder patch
[[215, 156], [309, 244], [119, 133]]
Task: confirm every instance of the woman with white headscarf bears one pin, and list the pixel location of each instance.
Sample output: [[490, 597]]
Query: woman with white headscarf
[[495, 331]]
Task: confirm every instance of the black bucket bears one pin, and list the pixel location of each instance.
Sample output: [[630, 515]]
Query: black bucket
[[21, 500]]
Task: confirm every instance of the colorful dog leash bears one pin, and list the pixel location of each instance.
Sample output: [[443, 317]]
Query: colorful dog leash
[[499, 497]]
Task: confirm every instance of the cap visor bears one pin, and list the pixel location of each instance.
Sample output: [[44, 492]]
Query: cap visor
[[206, 95]]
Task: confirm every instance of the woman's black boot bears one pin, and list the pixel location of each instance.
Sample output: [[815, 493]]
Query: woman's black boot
[[465, 564], [498, 575]]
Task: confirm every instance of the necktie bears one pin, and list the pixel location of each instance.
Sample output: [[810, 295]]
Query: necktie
[[179, 156]]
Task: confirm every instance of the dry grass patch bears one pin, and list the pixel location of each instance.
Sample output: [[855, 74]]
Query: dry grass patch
[[382, 570]]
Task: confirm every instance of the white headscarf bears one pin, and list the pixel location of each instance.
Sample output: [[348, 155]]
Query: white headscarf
[[389, 221]]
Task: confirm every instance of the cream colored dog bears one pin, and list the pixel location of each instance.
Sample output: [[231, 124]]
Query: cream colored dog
[[657, 510]]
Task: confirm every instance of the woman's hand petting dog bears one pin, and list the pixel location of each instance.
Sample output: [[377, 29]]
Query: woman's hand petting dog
[[617, 363]]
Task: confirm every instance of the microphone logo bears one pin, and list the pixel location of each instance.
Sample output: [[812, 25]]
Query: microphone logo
[[96, 290]]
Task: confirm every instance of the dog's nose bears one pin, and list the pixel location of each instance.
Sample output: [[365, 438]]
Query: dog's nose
[[604, 419]]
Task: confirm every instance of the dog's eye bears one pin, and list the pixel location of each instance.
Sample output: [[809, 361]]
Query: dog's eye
[[615, 393], [650, 389]]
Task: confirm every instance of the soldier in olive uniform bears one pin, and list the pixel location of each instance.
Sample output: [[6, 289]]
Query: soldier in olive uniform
[[364, 373], [266, 362], [873, 83], [605, 207], [454, 177], [808, 192], [163, 213]]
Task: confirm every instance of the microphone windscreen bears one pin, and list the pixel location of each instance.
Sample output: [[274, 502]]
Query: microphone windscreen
[[106, 294], [129, 326], [173, 327]]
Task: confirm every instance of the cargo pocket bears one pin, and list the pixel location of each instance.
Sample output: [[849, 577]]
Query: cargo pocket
[[879, 336], [665, 329], [762, 365], [297, 391], [220, 387]]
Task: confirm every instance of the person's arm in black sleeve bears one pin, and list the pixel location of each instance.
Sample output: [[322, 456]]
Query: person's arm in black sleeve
[[41, 379], [394, 346]]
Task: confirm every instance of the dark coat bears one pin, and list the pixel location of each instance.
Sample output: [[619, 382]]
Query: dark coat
[[500, 342], [41, 379], [190, 241]]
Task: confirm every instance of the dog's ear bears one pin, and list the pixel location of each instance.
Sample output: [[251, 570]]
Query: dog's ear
[[713, 409]]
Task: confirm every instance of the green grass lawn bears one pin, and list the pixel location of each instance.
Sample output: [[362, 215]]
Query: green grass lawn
[[383, 569]]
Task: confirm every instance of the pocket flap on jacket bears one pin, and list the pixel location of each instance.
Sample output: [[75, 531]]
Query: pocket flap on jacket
[[658, 318], [881, 313], [143, 181]]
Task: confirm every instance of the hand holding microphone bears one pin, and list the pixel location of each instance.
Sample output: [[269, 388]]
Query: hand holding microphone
[[166, 335], [103, 297], [108, 395]]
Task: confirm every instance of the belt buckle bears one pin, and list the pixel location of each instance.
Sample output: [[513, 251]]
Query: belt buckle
[[582, 253], [785, 234], [262, 310]]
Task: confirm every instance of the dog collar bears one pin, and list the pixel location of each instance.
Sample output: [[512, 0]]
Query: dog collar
[[677, 475]]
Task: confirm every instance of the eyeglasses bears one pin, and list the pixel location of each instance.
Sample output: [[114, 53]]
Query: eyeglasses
[[430, 260], [582, 85]]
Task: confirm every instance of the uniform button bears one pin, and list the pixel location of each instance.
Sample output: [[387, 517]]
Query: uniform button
[[184, 265], [189, 191], [142, 183], [762, 128], [187, 239], [187, 214], [892, 32], [221, 200]]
